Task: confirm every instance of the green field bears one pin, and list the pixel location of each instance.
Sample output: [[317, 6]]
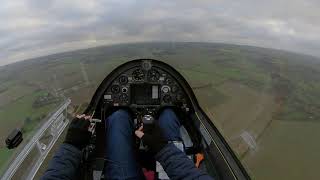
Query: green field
[[274, 95], [285, 155]]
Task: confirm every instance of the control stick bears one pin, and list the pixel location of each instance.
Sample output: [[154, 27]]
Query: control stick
[[148, 123]]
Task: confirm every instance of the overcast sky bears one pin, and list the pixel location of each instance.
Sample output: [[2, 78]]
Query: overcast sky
[[32, 28]]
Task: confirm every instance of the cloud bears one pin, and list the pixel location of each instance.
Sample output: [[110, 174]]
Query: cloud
[[30, 28]]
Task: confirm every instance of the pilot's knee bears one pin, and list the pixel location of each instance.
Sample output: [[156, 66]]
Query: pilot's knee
[[120, 118], [166, 116]]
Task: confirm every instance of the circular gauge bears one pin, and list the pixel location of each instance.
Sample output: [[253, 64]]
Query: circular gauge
[[165, 89], [123, 79], [169, 81], [115, 89], [124, 89], [167, 98], [123, 97], [153, 75], [138, 75], [174, 89]]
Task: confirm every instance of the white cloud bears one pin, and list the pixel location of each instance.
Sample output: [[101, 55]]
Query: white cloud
[[30, 28]]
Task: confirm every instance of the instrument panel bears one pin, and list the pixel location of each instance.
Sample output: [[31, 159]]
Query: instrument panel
[[145, 86]]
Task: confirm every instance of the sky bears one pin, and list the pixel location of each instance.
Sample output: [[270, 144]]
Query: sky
[[33, 28]]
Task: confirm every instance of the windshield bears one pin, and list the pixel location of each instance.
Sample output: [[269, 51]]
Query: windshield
[[254, 67]]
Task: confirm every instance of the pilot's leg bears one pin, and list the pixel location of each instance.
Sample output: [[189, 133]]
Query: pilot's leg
[[121, 162], [170, 125]]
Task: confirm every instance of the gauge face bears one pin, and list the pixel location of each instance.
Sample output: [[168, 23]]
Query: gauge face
[[123, 80], [138, 75], [123, 97], [174, 89], [153, 75], [169, 81], [115, 89], [165, 89]]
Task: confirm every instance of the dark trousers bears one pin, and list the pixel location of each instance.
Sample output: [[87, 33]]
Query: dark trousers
[[121, 162]]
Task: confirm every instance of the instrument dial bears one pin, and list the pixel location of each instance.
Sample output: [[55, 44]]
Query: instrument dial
[[138, 75], [115, 89], [165, 89], [169, 81], [174, 89], [123, 79], [123, 98], [153, 75]]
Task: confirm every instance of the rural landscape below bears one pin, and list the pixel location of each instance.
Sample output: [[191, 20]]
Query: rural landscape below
[[270, 95]]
